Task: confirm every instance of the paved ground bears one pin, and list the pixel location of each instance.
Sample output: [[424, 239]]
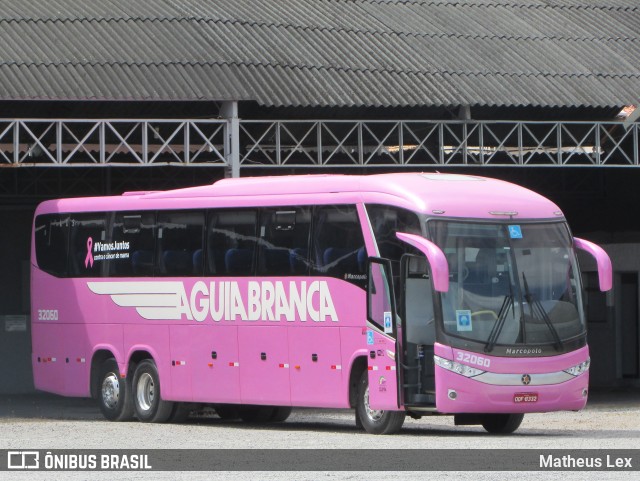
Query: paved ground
[[611, 421]]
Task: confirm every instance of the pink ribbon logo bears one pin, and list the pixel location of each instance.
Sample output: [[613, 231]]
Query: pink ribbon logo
[[89, 259]]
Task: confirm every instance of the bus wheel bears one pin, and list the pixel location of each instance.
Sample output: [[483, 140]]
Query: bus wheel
[[256, 414], [180, 412], [280, 414], [147, 396], [501, 423], [375, 421], [113, 393]]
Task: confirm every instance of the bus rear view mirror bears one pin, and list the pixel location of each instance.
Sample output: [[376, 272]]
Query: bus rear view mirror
[[605, 270], [435, 256]]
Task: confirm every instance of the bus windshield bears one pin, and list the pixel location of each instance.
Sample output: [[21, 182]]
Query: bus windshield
[[510, 284]]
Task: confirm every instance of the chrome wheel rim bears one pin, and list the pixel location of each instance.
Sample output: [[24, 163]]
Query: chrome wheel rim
[[373, 414], [145, 392], [111, 390]]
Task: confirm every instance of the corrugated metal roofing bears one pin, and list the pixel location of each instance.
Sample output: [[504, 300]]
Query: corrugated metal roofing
[[383, 53]]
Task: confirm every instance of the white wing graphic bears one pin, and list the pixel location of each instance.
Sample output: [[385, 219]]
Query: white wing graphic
[[152, 300]]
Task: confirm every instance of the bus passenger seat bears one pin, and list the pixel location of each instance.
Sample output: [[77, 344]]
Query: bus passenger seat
[[298, 260], [342, 259], [142, 263], [276, 261], [178, 263], [362, 260], [197, 261], [238, 261]]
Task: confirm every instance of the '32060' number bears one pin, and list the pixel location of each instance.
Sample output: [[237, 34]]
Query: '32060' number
[[47, 314], [473, 359]]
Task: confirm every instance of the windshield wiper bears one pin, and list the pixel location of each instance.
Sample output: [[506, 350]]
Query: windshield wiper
[[534, 304], [498, 325]]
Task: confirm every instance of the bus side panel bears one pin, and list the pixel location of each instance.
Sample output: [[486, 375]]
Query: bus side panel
[[48, 360], [383, 377], [353, 343], [316, 366], [77, 363], [264, 365], [153, 339], [215, 368], [184, 352], [204, 362]]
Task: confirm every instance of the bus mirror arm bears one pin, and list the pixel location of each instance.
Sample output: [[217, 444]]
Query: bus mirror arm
[[435, 256], [605, 270]]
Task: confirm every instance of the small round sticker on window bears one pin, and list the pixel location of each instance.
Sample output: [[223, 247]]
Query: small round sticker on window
[[463, 320]]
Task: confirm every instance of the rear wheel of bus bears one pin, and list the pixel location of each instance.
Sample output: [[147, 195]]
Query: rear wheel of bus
[[114, 398], [372, 420], [502, 423], [147, 394]]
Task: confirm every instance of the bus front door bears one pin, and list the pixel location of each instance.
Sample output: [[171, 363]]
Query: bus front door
[[381, 337], [418, 332]]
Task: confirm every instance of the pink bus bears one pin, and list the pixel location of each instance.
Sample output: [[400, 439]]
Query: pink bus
[[393, 294]]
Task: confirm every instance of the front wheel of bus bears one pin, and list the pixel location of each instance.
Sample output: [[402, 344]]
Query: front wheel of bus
[[113, 393], [372, 420], [147, 395], [502, 423]]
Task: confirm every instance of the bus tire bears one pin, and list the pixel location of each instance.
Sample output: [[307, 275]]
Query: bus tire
[[502, 423], [180, 412], [280, 414], [374, 421], [256, 414], [114, 398], [147, 394]]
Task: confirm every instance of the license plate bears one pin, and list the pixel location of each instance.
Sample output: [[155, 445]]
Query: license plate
[[525, 397]]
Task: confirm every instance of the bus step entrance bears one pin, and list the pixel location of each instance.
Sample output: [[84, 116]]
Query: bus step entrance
[[419, 375], [420, 399]]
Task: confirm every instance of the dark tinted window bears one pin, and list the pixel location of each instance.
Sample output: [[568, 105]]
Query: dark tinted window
[[231, 242], [386, 221], [88, 249], [284, 240], [338, 245], [132, 239], [51, 239], [179, 250]]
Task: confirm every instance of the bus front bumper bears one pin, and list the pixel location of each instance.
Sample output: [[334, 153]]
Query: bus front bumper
[[458, 394]]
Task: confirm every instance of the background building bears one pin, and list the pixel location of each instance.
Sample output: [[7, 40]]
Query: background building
[[112, 96]]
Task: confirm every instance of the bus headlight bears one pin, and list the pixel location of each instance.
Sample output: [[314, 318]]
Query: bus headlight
[[462, 369], [579, 369]]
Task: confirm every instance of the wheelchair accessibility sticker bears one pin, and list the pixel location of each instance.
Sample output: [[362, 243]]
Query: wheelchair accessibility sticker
[[369, 337], [515, 232]]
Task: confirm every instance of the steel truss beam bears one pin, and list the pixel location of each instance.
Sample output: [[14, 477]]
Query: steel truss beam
[[315, 143]]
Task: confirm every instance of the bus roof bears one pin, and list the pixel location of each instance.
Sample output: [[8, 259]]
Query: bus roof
[[449, 195]]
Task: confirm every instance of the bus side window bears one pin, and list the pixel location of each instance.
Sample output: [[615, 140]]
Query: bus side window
[[87, 237], [180, 236], [386, 221], [284, 236], [133, 235], [52, 239], [338, 244], [231, 242]]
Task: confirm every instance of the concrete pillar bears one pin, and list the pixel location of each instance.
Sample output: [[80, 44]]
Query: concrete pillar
[[229, 111]]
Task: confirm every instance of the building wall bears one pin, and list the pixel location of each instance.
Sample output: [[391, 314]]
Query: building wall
[[613, 321], [15, 336]]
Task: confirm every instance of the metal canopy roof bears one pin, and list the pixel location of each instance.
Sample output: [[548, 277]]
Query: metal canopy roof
[[370, 53]]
